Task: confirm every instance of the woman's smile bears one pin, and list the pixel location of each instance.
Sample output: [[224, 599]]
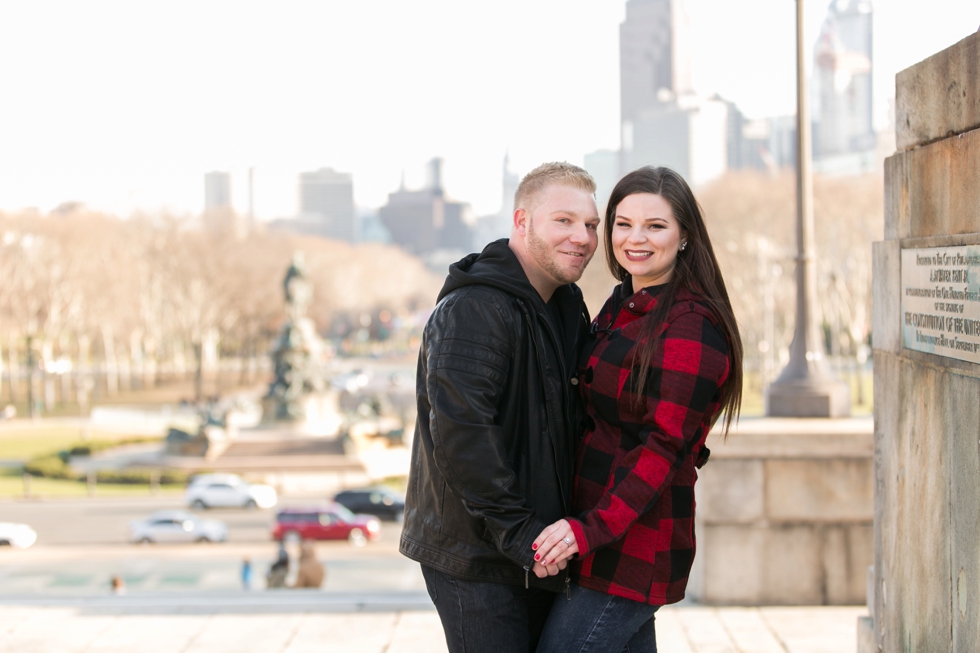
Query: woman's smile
[[646, 238]]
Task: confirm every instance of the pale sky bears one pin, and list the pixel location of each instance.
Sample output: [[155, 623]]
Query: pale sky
[[125, 105]]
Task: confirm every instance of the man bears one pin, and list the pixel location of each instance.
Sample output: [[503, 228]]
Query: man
[[498, 417]]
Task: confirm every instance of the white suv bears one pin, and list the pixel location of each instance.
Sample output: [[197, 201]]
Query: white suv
[[228, 490]]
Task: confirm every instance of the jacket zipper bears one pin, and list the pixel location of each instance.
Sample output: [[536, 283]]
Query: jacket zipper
[[568, 588], [527, 585]]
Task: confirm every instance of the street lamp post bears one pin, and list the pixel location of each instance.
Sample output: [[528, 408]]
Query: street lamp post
[[806, 387]]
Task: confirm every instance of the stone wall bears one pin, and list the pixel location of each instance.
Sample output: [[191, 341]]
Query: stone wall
[[926, 589], [784, 514]]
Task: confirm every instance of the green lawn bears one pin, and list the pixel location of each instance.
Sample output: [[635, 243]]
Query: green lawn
[[12, 485], [23, 443]]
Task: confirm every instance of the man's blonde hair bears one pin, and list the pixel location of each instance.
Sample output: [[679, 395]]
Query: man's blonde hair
[[551, 174]]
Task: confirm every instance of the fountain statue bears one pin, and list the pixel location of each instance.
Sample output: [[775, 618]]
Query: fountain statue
[[298, 392]]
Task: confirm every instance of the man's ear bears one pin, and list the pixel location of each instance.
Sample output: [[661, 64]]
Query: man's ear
[[520, 221]]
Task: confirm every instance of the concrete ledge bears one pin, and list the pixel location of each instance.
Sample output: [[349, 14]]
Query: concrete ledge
[[774, 437], [939, 96], [792, 501]]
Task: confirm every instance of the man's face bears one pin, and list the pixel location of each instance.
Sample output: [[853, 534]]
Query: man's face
[[562, 233]]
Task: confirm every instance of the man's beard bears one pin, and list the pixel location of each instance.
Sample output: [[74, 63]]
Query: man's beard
[[544, 255]]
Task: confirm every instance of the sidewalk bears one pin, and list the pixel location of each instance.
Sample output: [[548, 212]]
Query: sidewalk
[[392, 622]]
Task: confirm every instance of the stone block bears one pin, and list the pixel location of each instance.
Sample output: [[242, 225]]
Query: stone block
[[733, 563], [963, 435], [918, 586], [761, 565], [944, 187], [888, 443], [886, 283], [939, 96], [866, 635], [730, 491], [794, 573], [847, 552], [820, 490], [897, 216]]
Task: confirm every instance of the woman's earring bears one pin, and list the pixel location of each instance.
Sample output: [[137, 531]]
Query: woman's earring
[[683, 245]]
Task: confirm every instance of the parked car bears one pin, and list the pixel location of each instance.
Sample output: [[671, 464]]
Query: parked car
[[379, 501], [228, 491], [167, 526], [20, 536], [331, 522]]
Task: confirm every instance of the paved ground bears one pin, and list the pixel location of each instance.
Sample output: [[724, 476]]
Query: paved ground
[[54, 597], [41, 571], [236, 624]]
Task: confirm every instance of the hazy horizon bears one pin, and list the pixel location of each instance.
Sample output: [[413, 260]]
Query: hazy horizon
[[125, 106]]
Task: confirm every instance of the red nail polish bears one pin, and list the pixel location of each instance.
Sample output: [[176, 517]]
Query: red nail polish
[[534, 547], [537, 556]]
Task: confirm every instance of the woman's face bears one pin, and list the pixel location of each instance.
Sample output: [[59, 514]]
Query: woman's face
[[646, 238]]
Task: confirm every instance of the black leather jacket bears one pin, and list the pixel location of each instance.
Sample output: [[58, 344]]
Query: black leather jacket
[[498, 419]]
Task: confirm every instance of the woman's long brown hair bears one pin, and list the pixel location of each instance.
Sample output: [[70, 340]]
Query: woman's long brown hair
[[695, 268]]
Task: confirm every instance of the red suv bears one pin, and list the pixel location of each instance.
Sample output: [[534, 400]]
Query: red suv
[[333, 522]]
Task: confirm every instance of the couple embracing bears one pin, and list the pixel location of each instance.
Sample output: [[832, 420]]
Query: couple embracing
[[551, 497]]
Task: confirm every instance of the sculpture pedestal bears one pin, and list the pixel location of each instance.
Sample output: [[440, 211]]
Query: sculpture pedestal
[[785, 514], [319, 414]]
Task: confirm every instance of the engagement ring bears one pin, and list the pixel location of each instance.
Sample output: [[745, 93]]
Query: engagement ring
[[567, 541]]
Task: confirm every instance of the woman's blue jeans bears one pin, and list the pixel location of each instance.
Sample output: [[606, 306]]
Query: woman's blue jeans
[[593, 622]]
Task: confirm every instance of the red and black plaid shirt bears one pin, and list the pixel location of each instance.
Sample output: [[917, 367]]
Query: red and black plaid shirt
[[634, 483]]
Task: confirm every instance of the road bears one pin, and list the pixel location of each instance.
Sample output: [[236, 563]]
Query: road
[[82, 544], [86, 521]]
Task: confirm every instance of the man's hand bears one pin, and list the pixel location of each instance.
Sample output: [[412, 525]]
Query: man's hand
[[542, 571]]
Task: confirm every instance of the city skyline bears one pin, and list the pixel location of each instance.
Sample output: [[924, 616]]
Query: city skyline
[[124, 108]]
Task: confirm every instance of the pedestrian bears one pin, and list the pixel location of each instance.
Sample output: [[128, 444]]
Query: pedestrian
[[246, 574], [665, 361], [310, 572], [276, 578], [117, 585], [497, 415]]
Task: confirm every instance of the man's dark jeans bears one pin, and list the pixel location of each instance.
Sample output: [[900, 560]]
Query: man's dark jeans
[[488, 617]]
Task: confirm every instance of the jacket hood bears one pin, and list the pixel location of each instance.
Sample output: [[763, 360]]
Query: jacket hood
[[497, 266]]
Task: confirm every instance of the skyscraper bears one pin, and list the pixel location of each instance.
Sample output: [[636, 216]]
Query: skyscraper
[[664, 122], [326, 200], [843, 58], [654, 55], [217, 191]]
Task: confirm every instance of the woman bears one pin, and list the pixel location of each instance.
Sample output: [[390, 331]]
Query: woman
[[665, 361]]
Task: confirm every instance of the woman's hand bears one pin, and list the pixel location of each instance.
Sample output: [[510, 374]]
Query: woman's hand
[[556, 544]]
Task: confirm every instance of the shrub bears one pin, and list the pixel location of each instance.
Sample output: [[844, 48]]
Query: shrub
[[49, 466]]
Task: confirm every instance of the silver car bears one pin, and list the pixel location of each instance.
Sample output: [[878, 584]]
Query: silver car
[[177, 526]]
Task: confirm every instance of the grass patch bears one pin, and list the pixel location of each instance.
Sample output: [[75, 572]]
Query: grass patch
[[12, 485], [23, 443]]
